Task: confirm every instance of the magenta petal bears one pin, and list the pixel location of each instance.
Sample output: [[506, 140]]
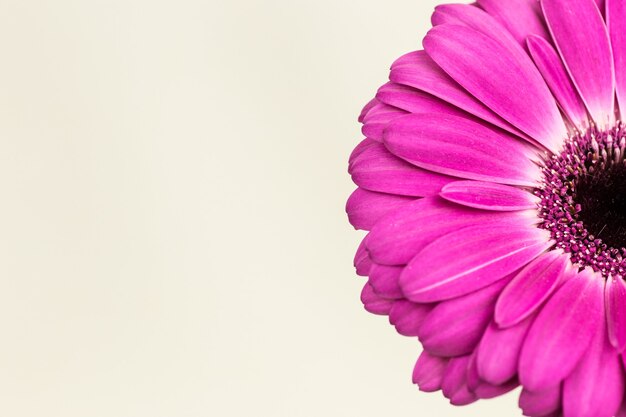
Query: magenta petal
[[463, 148], [418, 70], [371, 104], [408, 317], [414, 101], [504, 81], [615, 301], [583, 42], [384, 281], [454, 385], [596, 386], [553, 71], [540, 403], [615, 17], [489, 196], [377, 169], [362, 261], [374, 303], [364, 207], [454, 327], [400, 235], [519, 17], [562, 331], [428, 372], [377, 119], [498, 352], [471, 258], [530, 288]]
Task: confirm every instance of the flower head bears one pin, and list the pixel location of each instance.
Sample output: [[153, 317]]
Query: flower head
[[492, 182]]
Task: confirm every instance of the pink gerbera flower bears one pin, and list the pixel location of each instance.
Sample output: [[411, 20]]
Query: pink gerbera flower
[[492, 182]]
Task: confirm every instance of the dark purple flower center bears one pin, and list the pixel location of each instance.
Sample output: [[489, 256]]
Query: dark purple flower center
[[583, 200]]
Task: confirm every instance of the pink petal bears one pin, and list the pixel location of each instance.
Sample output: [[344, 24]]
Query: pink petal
[[362, 261], [615, 301], [519, 17], [615, 17], [489, 196], [408, 317], [377, 119], [360, 148], [428, 372], [384, 281], [454, 385], [376, 169], [553, 71], [374, 303], [415, 101], [364, 207], [540, 403], [463, 148], [622, 411], [530, 288], [400, 235], [498, 352], [561, 334], [503, 80], [372, 103], [418, 70], [596, 386], [454, 327], [582, 41], [471, 258]]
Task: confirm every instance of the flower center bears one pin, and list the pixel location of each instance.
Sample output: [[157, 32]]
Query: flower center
[[583, 200]]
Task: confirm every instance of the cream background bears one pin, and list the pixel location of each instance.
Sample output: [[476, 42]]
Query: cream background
[[173, 240]]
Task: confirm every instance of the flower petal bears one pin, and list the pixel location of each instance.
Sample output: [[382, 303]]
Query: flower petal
[[471, 258], [489, 196], [428, 372], [400, 235], [540, 403], [376, 169], [596, 386], [362, 261], [615, 18], [502, 80], [364, 207], [530, 288], [372, 103], [374, 303], [377, 119], [415, 101], [384, 281], [615, 301], [498, 352], [463, 148], [408, 317], [454, 327], [583, 42], [418, 70], [553, 71], [454, 386], [520, 17], [562, 332]]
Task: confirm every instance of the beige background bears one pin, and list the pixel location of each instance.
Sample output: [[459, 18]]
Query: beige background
[[173, 241]]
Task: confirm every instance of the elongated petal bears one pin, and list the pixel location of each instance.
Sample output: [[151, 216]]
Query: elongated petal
[[364, 207], [596, 386], [471, 258], [377, 169], [374, 303], [454, 386], [519, 17], [428, 372], [400, 235], [615, 301], [506, 83], [377, 119], [489, 196], [384, 281], [415, 101], [582, 40], [454, 327], [362, 262], [373, 102], [498, 353], [553, 71], [418, 70], [408, 317], [540, 403], [615, 18], [530, 288], [562, 332], [461, 147]]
